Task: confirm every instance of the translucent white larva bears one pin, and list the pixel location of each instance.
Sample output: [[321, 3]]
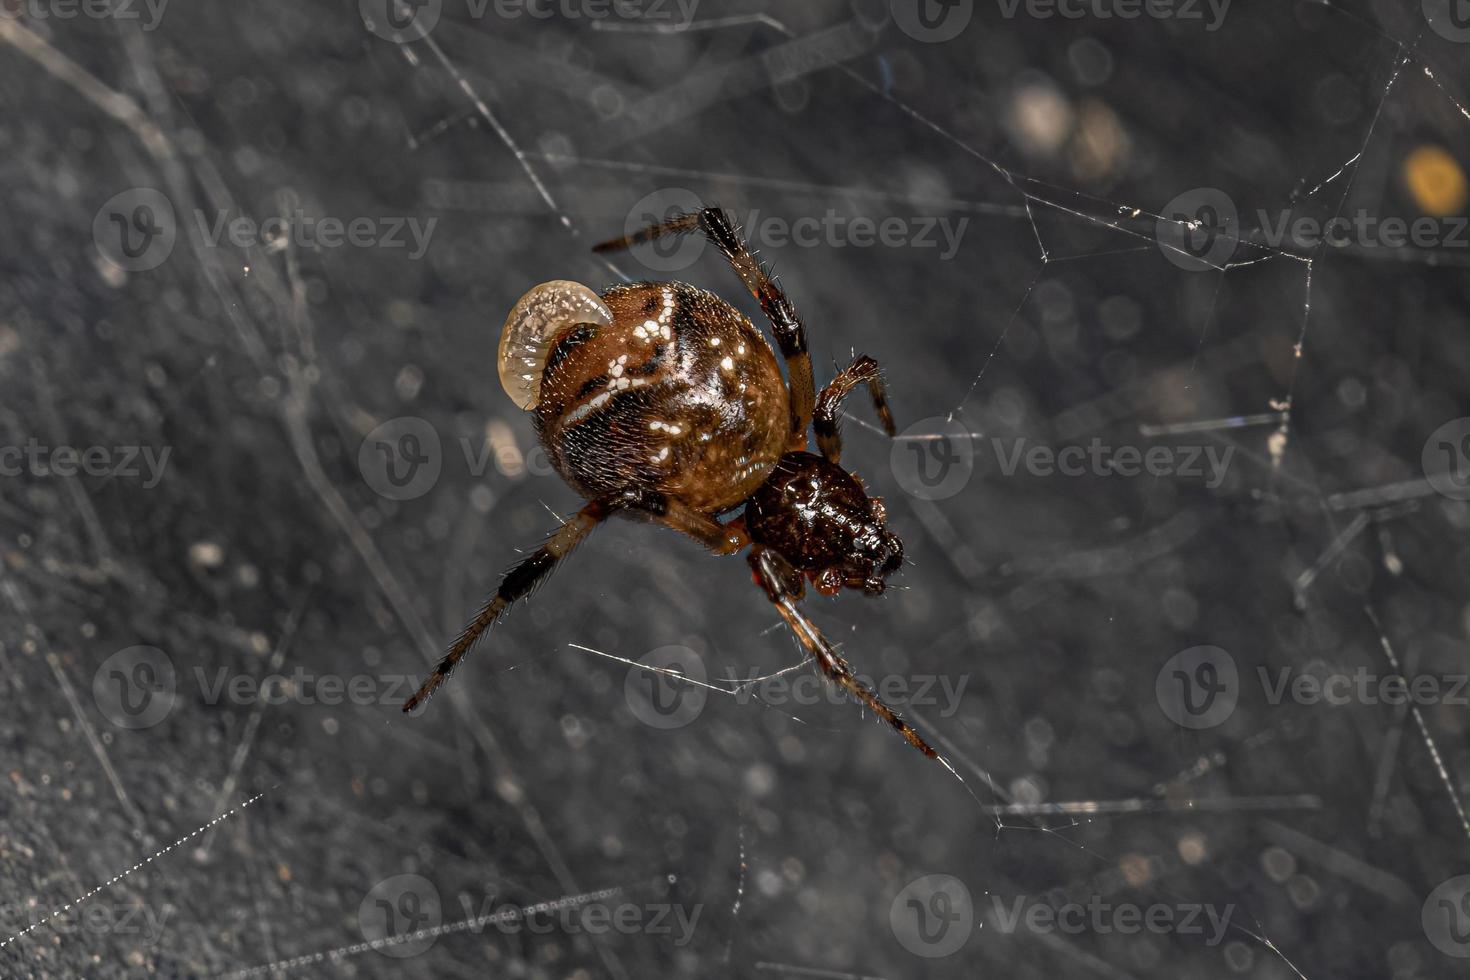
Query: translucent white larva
[[534, 324]]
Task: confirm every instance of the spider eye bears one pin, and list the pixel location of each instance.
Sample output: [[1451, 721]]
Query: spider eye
[[535, 324]]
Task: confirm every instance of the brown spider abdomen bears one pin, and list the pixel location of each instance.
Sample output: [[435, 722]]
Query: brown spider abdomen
[[680, 395]]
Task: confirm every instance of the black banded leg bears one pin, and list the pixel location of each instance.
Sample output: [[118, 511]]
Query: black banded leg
[[829, 404], [783, 585], [517, 584], [679, 224], [785, 323]]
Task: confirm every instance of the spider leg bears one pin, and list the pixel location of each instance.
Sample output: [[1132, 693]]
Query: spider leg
[[783, 586], [517, 584], [829, 403], [785, 323], [671, 512]]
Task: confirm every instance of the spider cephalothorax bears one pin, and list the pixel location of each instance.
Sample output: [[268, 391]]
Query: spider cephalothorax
[[663, 402], [817, 515]]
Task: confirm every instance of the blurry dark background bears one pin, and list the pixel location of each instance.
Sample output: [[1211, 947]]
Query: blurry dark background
[[794, 834]]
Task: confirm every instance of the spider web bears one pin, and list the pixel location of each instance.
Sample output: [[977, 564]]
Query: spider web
[[1074, 306]]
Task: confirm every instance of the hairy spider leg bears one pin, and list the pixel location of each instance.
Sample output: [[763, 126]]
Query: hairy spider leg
[[783, 586], [785, 323], [829, 403], [671, 512], [517, 584]]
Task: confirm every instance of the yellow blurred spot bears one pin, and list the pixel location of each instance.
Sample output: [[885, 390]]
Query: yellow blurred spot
[[1100, 145], [508, 458], [1136, 869], [1041, 118], [1436, 181]]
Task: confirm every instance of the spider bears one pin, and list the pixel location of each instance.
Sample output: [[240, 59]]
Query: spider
[[661, 402]]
